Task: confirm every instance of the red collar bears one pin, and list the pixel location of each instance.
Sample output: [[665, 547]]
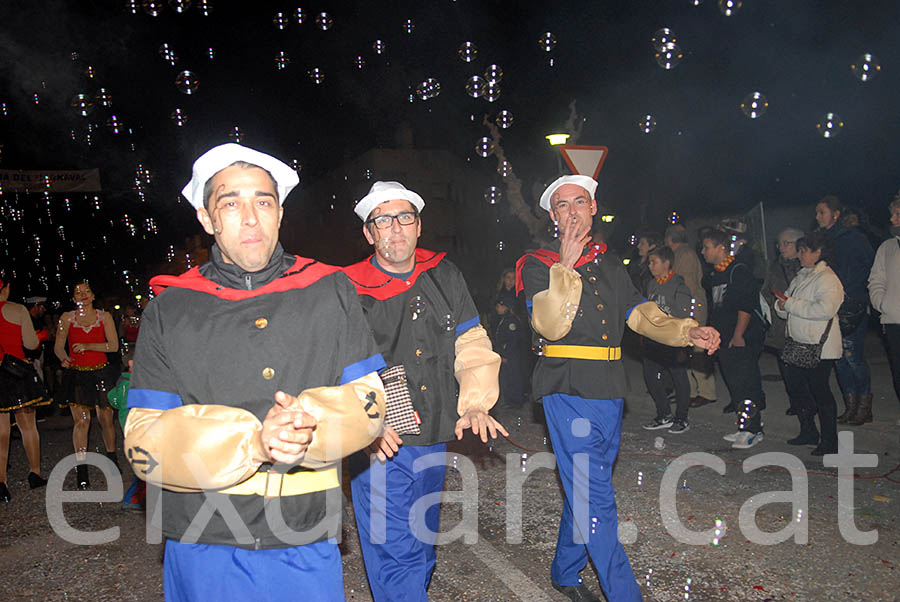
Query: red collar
[[548, 258], [300, 275], [371, 281]]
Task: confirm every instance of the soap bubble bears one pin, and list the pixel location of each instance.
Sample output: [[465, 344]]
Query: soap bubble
[[537, 347], [547, 42], [467, 51], [668, 56], [211, 53], [475, 86], [729, 7], [830, 125], [491, 92], [663, 36], [205, 7], [236, 134], [505, 168], [280, 21], [417, 305], [379, 46], [493, 74], [282, 61], [103, 98], [114, 124], [180, 6], [82, 104], [360, 62], [299, 16], [409, 26], [500, 245], [448, 323], [504, 119], [187, 82], [484, 147], [493, 195], [316, 75], [89, 72], [865, 67], [647, 124], [754, 105], [178, 117], [324, 21], [153, 7], [429, 88]]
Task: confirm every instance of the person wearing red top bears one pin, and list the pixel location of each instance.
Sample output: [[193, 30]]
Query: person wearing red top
[[90, 334], [19, 395]]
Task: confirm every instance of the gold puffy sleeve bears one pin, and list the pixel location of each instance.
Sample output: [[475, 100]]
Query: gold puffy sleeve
[[477, 369], [553, 310], [649, 320]]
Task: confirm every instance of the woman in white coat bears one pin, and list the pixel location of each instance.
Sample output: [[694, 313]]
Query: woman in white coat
[[810, 306]]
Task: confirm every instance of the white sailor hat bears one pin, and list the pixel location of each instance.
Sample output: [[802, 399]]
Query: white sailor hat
[[386, 191], [589, 184], [220, 157]]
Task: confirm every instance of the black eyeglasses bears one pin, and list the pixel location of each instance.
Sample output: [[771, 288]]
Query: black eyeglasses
[[383, 222]]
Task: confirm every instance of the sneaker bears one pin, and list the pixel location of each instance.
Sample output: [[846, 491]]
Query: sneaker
[[746, 439], [732, 437], [659, 423], [679, 426]]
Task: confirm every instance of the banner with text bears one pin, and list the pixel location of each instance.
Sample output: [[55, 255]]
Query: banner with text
[[57, 180]]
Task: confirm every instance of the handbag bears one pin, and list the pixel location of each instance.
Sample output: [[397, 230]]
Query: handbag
[[13, 367], [804, 355], [399, 413], [850, 314]]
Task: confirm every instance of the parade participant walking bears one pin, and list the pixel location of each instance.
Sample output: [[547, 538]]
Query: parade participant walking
[[884, 290], [579, 304], [246, 366], [20, 389], [853, 257], [810, 307], [734, 312], [90, 334], [417, 304]]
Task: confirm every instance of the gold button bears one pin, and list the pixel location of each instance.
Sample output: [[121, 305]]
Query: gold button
[[592, 279], [604, 337], [423, 388], [268, 373], [597, 293], [588, 268], [418, 353], [600, 306], [603, 321], [261, 322]]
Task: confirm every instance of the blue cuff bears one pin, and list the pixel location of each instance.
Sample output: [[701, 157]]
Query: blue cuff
[[359, 369], [628, 313], [464, 326], [153, 400]]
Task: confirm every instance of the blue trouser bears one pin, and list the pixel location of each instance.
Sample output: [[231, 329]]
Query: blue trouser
[[585, 435], [199, 573], [852, 369], [399, 561]]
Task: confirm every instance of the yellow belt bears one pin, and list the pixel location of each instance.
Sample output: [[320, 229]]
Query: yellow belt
[[583, 352], [273, 484]]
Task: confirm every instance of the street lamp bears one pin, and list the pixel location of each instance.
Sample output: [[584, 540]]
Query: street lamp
[[557, 139]]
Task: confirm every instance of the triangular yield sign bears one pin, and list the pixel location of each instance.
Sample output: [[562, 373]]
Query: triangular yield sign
[[584, 160]]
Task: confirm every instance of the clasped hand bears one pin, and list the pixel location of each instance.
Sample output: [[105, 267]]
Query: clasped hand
[[287, 430], [705, 337]]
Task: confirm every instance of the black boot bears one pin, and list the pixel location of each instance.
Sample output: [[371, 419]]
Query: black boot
[[828, 424], [851, 402], [808, 433], [4, 493], [35, 480], [863, 413], [81, 476]]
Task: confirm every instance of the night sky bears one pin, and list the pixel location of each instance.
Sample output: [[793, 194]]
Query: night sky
[[704, 155]]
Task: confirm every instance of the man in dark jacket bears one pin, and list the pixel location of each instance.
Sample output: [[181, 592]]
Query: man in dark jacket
[[734, 310], [853, 257], [254, 359]]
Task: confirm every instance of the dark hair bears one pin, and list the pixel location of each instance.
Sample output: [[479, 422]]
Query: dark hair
[[833, 203], [653, 238], [716, 237], [677, 233], [207, 187], [664, 253], [503, 274], [817, 241]]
